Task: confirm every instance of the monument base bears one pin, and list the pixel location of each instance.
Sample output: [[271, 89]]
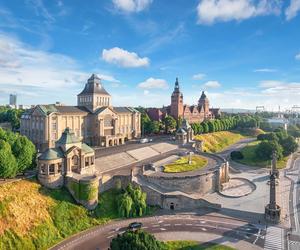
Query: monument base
[[272, 214]]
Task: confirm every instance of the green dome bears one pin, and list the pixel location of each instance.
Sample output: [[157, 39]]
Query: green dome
[[51, 154]]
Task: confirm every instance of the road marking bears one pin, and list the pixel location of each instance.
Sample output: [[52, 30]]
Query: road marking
[[177, 224], [166, 225], [254, 242], [155, 225], [274, 238], [108, 237], [163, 229], [188, 224], [144, 227]]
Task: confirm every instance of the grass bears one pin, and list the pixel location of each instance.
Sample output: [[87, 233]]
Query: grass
[[182, 164], [251, 159], [193, 245], [218, 141], [33, 217]]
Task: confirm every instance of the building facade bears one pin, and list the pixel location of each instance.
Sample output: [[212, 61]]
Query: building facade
[[94, 120], [177, 109]]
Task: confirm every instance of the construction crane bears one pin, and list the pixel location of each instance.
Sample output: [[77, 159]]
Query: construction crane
[[260, 108]]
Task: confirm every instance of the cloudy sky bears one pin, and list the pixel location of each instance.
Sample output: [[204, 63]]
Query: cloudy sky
[[244, 53]]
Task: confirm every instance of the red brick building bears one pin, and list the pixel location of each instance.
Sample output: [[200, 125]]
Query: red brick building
[[193, 114]]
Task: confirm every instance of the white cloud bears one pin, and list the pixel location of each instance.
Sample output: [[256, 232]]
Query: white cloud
[[265, 70], [132, 5], [212, 84], [297, 57], [30, 71], [199, 76], [270, 84], [124, 58], [153, 83], [108, 78], [293, 9], [211, 11]]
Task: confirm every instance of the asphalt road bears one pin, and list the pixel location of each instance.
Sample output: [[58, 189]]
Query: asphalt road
[[100, 237]]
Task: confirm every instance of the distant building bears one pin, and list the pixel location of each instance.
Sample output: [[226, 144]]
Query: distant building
[[94, 120], [193, 114], [13, 100]]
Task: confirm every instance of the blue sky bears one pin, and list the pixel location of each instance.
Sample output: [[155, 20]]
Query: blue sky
[[244, 53]]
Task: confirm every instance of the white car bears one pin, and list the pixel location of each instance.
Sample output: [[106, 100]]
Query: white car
[[144, 140]]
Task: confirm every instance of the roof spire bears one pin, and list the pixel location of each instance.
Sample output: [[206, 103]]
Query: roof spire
[[176, 84]]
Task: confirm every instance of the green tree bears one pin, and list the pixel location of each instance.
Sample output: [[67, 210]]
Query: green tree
[[205, 127], [265, 150], [24, 151], [289, 145], [135, 240], [8, 163], [170, 123], [153, 127], [124, 205]]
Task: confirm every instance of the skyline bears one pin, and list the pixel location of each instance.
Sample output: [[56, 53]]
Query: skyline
[[243, 53]]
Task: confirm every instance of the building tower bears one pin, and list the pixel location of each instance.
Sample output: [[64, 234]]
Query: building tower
[[94, 95], [13, 100], [204, 102], [176, 102]]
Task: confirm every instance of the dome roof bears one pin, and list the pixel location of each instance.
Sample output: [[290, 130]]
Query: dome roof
[[51, 154]]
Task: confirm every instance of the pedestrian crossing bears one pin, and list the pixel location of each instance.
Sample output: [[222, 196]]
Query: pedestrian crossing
[[294, 245], [274, 238]]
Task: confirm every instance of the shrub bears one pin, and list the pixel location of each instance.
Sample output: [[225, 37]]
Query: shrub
[[136, 240], [265, 150], [236, 155]]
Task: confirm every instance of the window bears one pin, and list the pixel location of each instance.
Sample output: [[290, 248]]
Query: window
[[53, 136], [53, 125], [92, 160], [52, 169], [43, 169], [59, 168], [87, 163], [108, 121], [75, 160]]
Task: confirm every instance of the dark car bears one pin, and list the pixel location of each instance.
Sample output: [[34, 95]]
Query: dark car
[[135, 225]]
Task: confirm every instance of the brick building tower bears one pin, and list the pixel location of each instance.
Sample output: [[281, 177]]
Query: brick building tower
[[204, 103], [176, 109]]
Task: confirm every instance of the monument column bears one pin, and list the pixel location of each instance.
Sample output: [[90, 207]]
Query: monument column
[[272, 210]]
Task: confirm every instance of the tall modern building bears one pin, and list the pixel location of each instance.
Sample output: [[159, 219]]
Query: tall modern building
[[94, 120], [13, 100]]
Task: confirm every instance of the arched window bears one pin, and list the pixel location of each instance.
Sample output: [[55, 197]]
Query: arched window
[[75, 160]]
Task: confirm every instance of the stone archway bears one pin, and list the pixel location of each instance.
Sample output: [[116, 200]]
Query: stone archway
[[110, 142], [120, 141], [172, 206]]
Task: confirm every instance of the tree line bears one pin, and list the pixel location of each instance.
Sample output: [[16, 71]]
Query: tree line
[[226, 123], [17, 154]]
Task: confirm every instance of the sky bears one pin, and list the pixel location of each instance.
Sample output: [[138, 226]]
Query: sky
[[243, 53]]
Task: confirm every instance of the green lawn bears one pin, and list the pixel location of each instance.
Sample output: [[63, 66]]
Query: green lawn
[[251, 159], [182, 164], [193, 245]]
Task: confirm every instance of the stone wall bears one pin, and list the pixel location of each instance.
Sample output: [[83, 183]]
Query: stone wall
[[107, 182], [85, 190], [201, 184], [51, 181]]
